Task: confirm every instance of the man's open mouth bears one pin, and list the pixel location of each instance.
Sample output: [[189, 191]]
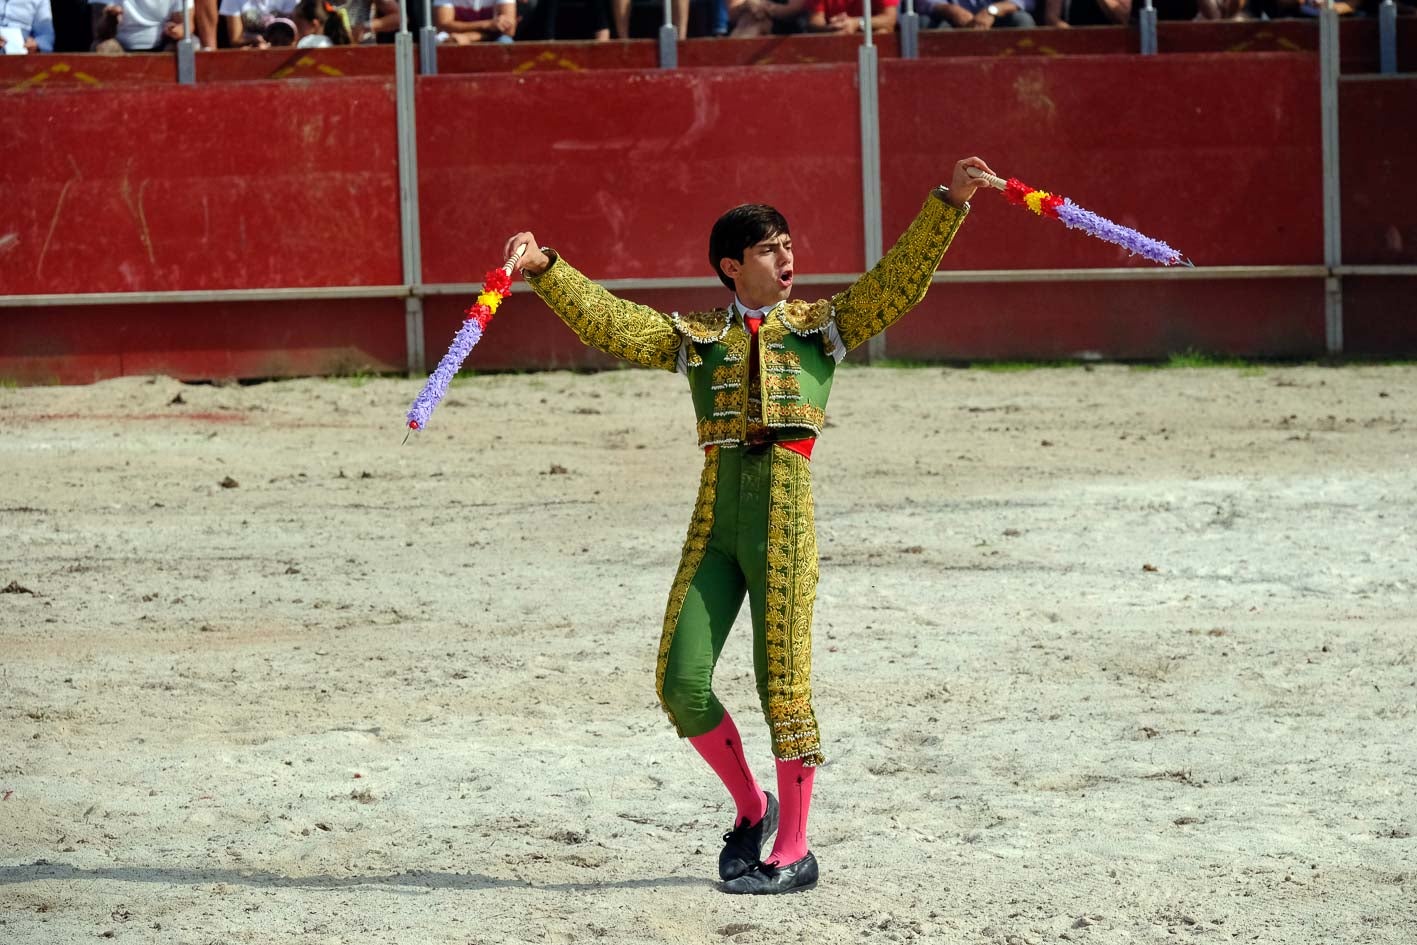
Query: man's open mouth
[[784, 278]]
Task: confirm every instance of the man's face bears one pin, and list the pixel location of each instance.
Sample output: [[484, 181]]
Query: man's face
[[764, 277]]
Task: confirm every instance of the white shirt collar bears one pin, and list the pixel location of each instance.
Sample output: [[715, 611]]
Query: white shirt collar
[[745, 312]]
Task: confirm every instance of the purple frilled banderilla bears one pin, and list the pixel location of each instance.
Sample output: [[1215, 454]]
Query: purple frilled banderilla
[[496, 286], [1071, 215]]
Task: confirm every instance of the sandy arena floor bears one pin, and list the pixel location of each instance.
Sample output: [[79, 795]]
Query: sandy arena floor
[[1102, 656]]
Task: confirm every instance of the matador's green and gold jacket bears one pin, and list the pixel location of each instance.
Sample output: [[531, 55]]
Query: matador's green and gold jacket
[[800, 343]]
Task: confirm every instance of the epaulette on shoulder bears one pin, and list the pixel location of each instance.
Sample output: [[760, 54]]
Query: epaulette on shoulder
[[702, 327], [807, 318]]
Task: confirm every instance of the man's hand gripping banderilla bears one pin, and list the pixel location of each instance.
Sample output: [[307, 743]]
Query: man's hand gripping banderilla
[[962, 186], [534, 262]]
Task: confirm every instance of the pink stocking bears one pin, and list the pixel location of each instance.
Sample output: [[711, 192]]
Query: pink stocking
[[723, 750], [794, 791]]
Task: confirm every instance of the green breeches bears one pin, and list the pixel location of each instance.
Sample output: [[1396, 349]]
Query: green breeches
[[752, 534]]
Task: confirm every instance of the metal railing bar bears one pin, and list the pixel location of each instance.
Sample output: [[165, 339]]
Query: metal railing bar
[[1382, 270], [192, 296], [470, 289], [1167, 274]]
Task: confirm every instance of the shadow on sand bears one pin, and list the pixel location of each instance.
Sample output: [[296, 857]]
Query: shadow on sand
[[410, 881]]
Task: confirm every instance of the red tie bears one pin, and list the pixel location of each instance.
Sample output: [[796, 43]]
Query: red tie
[[753, 323]]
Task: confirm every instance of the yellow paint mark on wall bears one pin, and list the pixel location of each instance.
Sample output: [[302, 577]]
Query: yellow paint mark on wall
[[548, 58], [59, 69]]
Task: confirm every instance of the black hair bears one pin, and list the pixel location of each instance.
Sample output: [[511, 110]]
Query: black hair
[[740, 228]]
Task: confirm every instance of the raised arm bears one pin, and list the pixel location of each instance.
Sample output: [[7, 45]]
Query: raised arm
[[898, 282], [607, 323]]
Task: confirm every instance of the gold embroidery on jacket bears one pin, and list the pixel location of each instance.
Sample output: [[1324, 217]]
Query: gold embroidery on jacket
[[737, 342], [725, 376], [719, 432], [806, 318], [790, 593], [695, 546], [703, 327], [784, 362], [798, 415], [726, 402], [782, 386], [736, 339], [898, 282], [613, 325]]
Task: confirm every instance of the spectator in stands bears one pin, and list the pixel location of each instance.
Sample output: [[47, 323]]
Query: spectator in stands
[[1276, 9], [767, 17], [171, 27], [620, 13], [33, 20], [133, 25], [204, 22], [246, 19], [1221, 9], [846, 16], [977, 14], [281, 31], [1121, 12], [384, 22], [719, 24], [336, 26], [309, 17], [475, 21]]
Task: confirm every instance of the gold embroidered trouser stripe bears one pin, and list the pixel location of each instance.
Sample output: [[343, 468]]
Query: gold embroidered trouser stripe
[[695, 545], [791, 592], [752, 535]]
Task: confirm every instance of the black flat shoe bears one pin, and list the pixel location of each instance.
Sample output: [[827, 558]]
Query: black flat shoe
[[743, 845], [765, 879]]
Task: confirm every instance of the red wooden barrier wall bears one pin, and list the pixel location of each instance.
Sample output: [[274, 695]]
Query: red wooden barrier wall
[[1224, 185], [1378, 137], [626, 174], [77, 345], [132, 189], [159, 188]]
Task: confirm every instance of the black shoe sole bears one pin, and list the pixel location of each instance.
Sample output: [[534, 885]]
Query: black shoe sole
[[786, 892]]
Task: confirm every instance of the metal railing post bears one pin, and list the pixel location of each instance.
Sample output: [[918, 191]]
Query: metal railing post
[[1332, 192], [910, 32], [187, 49], [1387, 37], [428, 42], [867, 75], [668, 39], [408, 193], [1146, 19]]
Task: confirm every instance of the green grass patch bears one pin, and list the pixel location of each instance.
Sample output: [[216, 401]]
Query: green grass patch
[[1013, 367], [357, 379], [904, 364], [1197, 359], [999, 367]]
